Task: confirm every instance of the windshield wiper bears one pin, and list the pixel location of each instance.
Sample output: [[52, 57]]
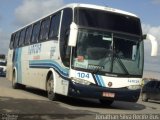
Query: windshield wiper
[[121, 63], [103, 62]]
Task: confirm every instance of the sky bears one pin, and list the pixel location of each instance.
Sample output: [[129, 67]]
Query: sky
[[17, 13]]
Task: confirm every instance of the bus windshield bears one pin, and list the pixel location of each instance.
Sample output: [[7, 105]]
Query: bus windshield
[[107, 20], [2, 63], [108, 52]]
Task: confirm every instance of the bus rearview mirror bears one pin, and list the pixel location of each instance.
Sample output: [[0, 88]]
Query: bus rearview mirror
[[73, 35], [154, 43]]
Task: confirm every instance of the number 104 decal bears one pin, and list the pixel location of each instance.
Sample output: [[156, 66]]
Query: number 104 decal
[[82, 75]]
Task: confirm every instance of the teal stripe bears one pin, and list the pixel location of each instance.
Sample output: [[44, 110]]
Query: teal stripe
[[100, 81], [18, 64], [49, 64]]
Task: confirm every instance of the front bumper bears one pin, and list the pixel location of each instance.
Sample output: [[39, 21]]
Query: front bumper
[[85, 91]]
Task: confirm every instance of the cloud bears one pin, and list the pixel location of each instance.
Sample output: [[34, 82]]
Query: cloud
[[154, 30], [156, 1], [4, 41], [31, 10]]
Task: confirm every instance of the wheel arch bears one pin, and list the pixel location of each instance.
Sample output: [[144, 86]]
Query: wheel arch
[[51, 71], [14, 73]]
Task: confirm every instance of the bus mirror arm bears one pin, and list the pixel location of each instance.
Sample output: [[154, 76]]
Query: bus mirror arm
[[73, 35], [154, 43]]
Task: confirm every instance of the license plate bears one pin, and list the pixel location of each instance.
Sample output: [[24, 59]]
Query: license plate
[[107, 94]]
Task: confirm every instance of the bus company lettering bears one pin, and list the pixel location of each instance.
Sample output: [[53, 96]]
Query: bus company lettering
[[95, 67], [34, 49], [52, 52]]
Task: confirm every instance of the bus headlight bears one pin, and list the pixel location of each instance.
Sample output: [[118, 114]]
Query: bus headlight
[[81, 81], [134, 87]]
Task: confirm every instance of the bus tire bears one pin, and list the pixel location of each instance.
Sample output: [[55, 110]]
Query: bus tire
[[22, 86], [50, 88], [144, 97], [106, 102], [14, 84]]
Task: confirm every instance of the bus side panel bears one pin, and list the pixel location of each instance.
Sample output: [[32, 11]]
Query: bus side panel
[[30, 76], [17, 63], [25, 66], [37, 59], [9, 69], [61, 86]]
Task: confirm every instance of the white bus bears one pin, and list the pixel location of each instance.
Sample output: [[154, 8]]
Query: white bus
[[81, 50]]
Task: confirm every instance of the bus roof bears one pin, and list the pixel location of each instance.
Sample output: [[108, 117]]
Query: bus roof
[[73, 5], [98, 7]]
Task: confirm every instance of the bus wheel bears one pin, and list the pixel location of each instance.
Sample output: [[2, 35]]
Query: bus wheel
[[14, 84], [144, 97], [106, 102], [50, 88]]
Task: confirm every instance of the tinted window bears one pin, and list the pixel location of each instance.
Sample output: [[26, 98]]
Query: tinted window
[[2, 56], [35, 33], [158, 84], [44, 29], [107, 20], [64, 34], [54, 28], [12, 41], [2, 63], [16, 40], [151, 84], [28, 35], [21, 39]]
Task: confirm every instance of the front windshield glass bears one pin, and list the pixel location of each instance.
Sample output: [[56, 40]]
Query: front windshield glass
[[102, 19], [108, 52]]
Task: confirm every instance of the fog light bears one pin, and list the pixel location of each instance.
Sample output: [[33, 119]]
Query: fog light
[[134, 87], [81, 81]]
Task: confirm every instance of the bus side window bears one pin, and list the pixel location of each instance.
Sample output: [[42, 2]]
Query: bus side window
[[12, 41], [54, 27], [21, 39], [35, 32], [44, 29], [64, 48], [28, 35], [16, 39]]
